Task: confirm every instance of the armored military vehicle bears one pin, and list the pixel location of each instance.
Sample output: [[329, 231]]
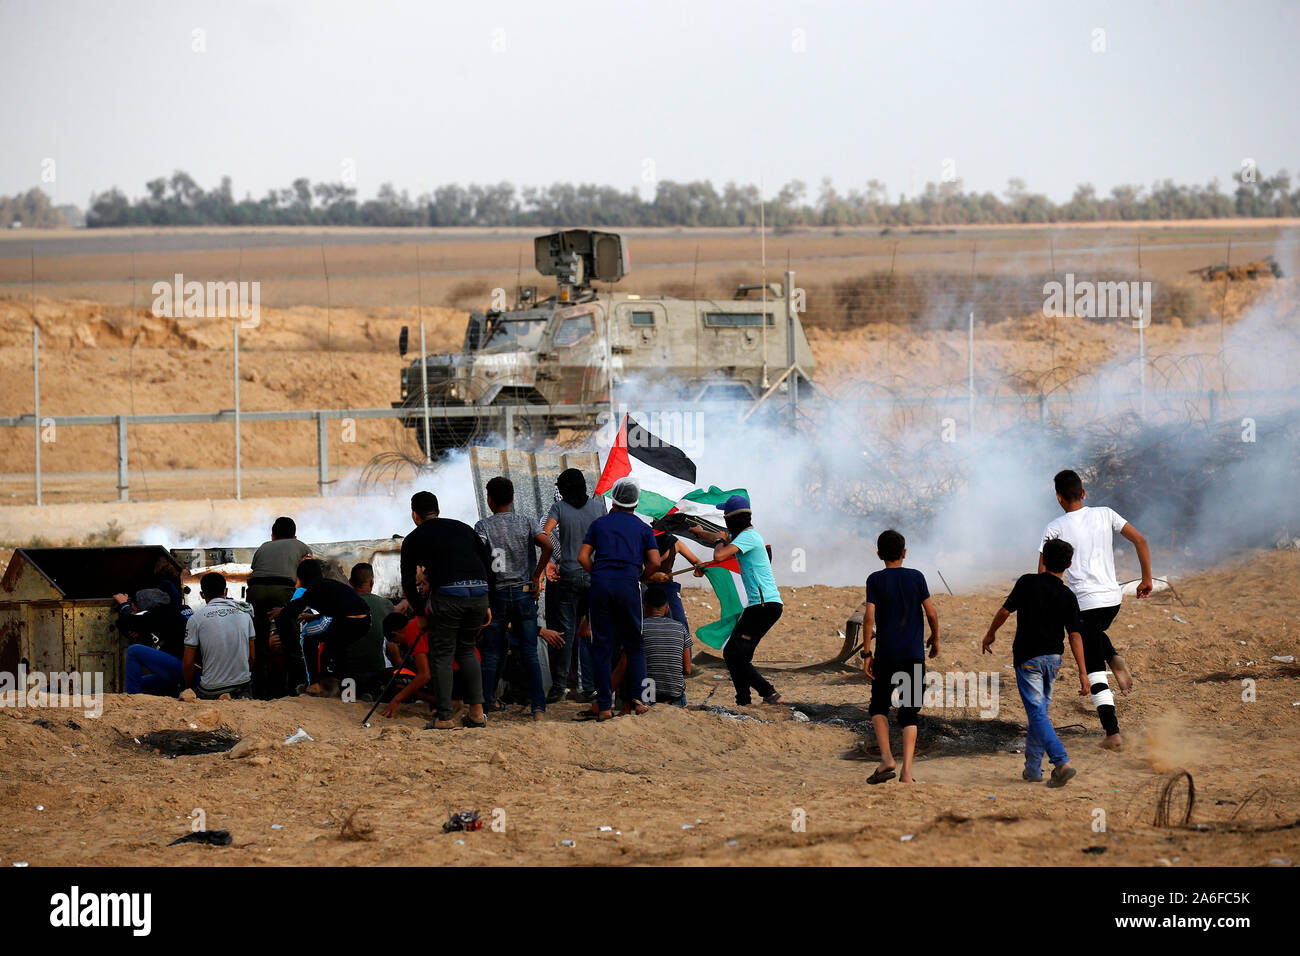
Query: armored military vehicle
[[568, 353]]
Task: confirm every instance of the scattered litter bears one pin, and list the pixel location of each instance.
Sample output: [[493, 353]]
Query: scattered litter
[[688, 826], [1180, 620], [457, 842], [800, 717], [298, 737], [1283, 658], [277, 826], [906, 837], [20, 863], [1094, 850], [40, 806], [73, 725], [719, 676], [464, 820], [210, 837], [567, 843], [605, 829], [42, 722], [1276, 861], [732, 843]]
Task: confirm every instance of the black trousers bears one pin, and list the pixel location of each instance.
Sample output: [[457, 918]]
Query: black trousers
[[454, 625], [269, 670], [754, 622], [1097, 648]]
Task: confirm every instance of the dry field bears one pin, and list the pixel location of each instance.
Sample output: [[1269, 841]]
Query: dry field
[[101, 356]]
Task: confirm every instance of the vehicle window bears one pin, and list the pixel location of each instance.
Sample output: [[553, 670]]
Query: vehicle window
[[574, 330], [643, 319], [513, 334], [733, 320]]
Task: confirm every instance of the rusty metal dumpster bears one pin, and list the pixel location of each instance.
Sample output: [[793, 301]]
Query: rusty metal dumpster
[[56, 607]]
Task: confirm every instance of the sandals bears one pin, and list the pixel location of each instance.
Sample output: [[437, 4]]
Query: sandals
[[586, 715], [469, 723], [496, 707], [880, 776], [774, 699]]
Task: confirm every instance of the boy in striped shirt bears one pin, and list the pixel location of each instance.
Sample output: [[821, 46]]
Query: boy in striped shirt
[[667, 649]]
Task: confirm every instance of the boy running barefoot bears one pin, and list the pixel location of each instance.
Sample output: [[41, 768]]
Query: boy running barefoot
[[1090, 531], [1047, 609], [897, 598]]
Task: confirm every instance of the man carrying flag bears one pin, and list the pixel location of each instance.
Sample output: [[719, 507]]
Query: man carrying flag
[[763, 601]]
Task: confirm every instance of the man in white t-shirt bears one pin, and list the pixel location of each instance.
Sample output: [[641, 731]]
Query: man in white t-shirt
[[1091, 576]]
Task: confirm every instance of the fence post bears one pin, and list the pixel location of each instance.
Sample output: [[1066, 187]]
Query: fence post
[[36, 396], [1042, 409], [509, 426], [970, 375], [123, 493], [1214, 406], [322, 454]]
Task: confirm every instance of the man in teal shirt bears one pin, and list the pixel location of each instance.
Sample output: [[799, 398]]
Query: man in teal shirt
[[763, 601]]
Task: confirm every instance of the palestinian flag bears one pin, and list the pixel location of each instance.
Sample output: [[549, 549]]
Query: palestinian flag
[[634, 441], [673, 512]]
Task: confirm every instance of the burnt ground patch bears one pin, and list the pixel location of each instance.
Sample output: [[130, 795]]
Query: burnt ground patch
[[936, 736], [185, 743]]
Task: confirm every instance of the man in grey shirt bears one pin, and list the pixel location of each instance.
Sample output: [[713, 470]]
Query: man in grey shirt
[[513, 541], [572, 515], [270, 585], [221, 632]]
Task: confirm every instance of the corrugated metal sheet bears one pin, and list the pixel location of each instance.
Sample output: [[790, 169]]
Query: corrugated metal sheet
[[533, 475]]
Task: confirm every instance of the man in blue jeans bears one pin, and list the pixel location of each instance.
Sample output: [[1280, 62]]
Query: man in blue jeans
[[619, 552], [567, 597], [511, 539], [1047, 610]]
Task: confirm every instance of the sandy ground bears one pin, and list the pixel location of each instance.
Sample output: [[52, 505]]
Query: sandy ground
[[696, 787]]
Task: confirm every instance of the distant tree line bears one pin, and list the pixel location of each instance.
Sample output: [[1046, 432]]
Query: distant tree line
[[34, 210], [180, 201]]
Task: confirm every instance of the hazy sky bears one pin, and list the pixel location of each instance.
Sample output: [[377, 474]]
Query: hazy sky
[[622, 91]]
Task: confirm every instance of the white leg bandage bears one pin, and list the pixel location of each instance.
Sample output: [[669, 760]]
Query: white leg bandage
[[1101, 692]]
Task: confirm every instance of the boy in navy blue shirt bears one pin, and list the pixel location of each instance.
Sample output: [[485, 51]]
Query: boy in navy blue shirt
[[897, 598], [619, 552]]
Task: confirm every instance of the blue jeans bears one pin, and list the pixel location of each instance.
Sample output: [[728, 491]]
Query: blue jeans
[[571, 595], [517, 609], [1034, 679], [164, 677]]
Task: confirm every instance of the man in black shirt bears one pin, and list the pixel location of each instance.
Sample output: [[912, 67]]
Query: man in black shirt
[[457, 564], [1047, 610], [350, 621]]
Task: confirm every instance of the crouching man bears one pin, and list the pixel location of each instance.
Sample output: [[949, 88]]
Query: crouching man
[[221, 635]]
